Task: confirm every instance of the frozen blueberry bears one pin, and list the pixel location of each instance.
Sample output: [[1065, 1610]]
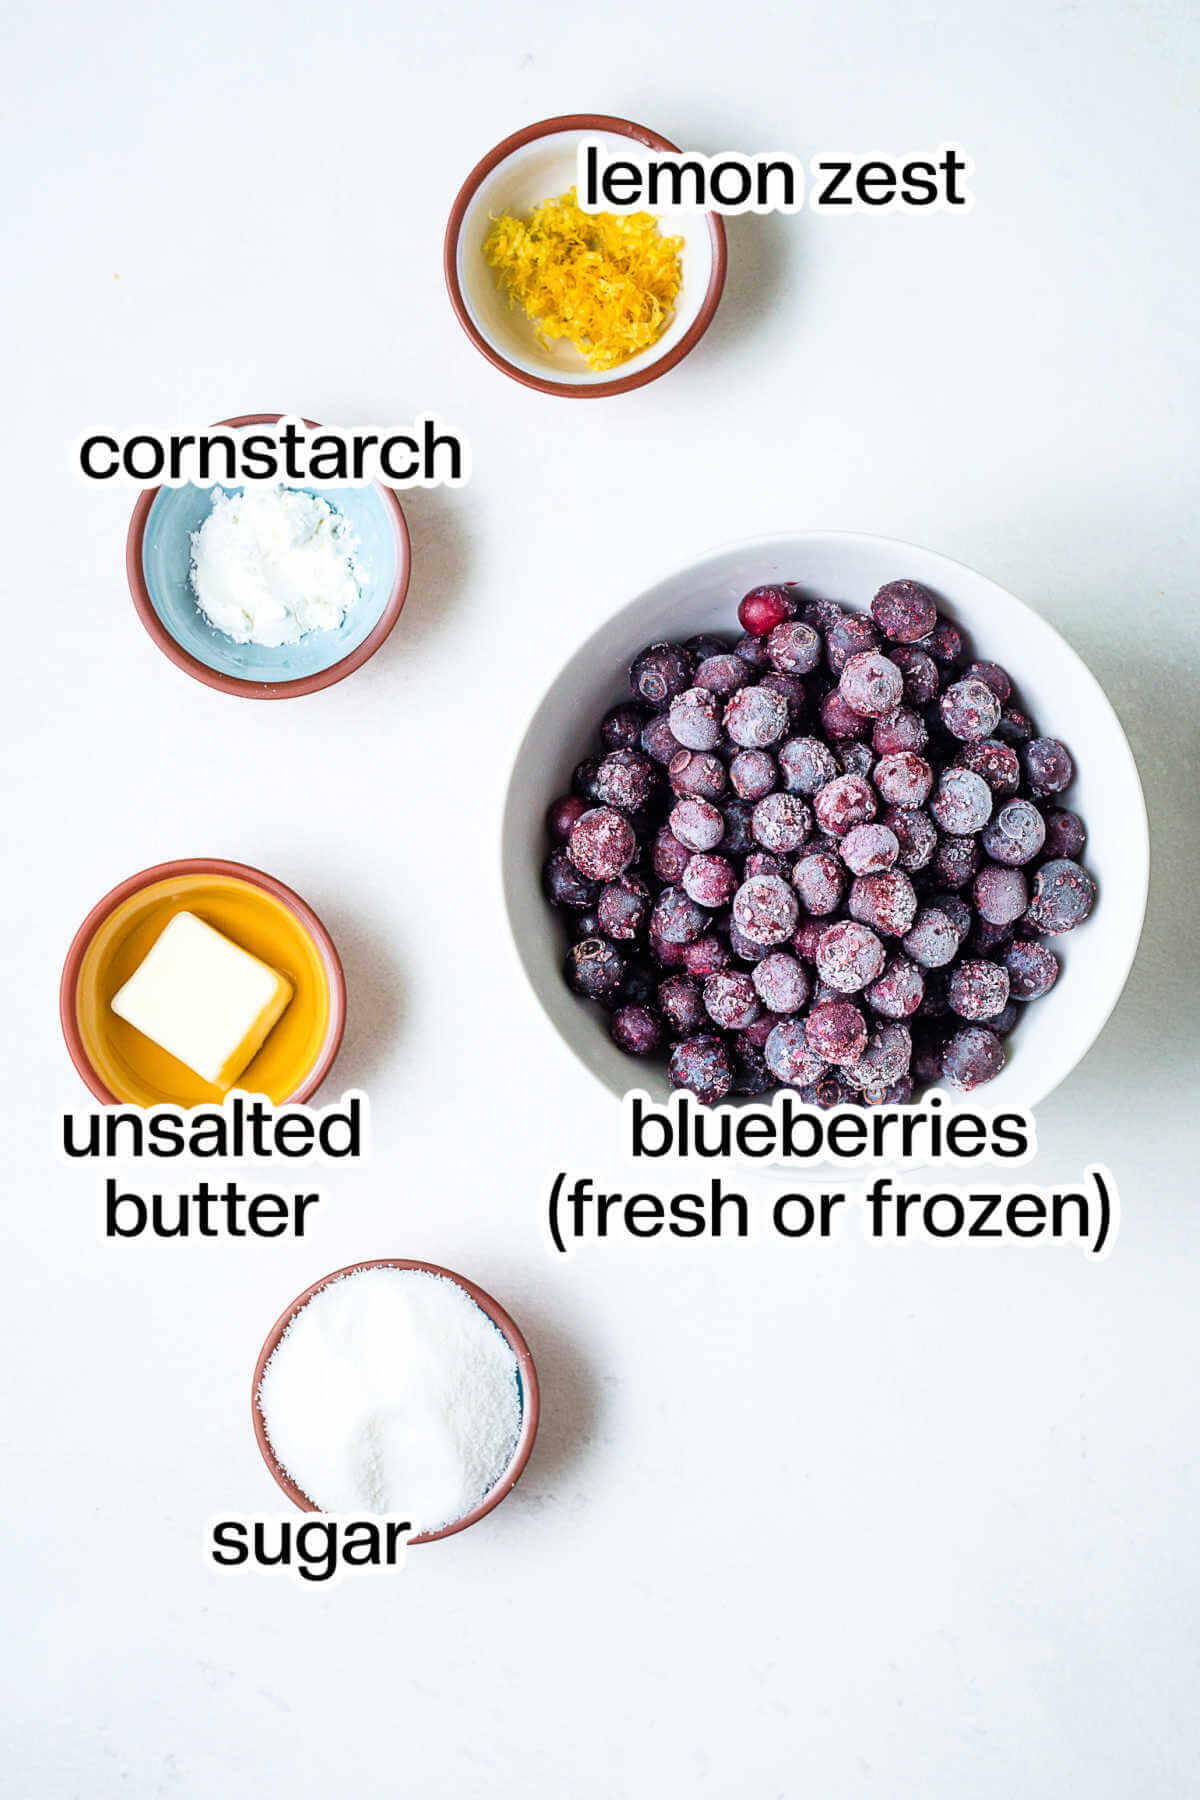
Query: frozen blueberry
[[993, 676], [623, 908], [765, 910], [738, 839], [820, 881], [752, 650], [752, 774], [626, 779], [622, 726], [885, 1059], [807, 936], [723, 674], [887, 902], [562, 814], [697, 773], [763, 608], [846, 801], [898, 991], [962, 804], [1015, 834], [781, 823], [705, 955], [744, 948], [920, 673], [850, 634], [870, 849], [706, 644], [764, 862], [698, 824], [1047, 765], [751, 1075], [1001, 894], [970, 710], [636, 1029], [903, 779], [840, 720], [978, 990], [903, 729], [849, 957], [696, 718], [602, 844], [676, 918], [711, 881], [904, 611], [1066, 835], [1015, 727], [661, 671], [1063, 896], [933, 939], [998, 764], [702, 1065], [583, 777], [789, 1056], [594, 968], [781, 982], [756, 717], [794, 648], [943, 643], [564, 885], [836, 1032], [658, 740], [731, 1000], [916, 835], [1032, 969], [871, 684], [681, 1003], [855, 759], [956, 861], [669, 858], [971, 1057]]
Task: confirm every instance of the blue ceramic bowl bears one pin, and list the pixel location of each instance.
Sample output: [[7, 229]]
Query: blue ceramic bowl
[[158, 558]]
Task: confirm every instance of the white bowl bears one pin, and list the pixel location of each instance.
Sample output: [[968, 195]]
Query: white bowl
[[1062, 695], [538, 164]]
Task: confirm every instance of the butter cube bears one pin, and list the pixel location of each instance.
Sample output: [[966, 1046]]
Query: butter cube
[[203, 999]]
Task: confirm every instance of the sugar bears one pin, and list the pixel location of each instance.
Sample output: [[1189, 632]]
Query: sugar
[[391, 1391]]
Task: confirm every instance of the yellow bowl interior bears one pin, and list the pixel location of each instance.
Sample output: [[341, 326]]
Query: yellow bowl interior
[[134, 1068]]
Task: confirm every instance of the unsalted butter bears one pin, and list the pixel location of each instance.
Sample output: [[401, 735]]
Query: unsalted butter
[[203, 999]]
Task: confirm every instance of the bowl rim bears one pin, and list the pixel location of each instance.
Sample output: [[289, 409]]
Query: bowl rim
[[240, 684], [509, 1330], [202, 865], [622, 384], [1137, 861]]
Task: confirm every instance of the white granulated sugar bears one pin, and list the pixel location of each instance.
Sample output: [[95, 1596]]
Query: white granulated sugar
[[272, 563], [392, 1392]]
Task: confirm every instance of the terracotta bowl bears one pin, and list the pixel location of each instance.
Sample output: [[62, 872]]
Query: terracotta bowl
[[119, 1065], [534, 165], [526, 1375], [157, 563]]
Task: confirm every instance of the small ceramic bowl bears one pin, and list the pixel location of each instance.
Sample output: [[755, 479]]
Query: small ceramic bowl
[[158, 559], [120, 1065], [526, 1377], [1064, 697], [535, 165]]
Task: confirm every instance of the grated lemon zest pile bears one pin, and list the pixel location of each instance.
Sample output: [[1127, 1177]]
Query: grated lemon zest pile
[[606, 282]]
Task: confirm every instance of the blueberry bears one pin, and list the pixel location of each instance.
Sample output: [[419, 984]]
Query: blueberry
[[933, 938], [836, 1032], [971, 1057], [738, 838], [781, 982], [847, 800], [622, 726], [840, 720], [564, 885], [626, 779], [681, 1003], [669, 857], [943, 643], [993, 676], [870, 849], [711, 881], [920, 673], [1001, 894], [998, 764], [850, 634], [756, 717], [765, 910], [956, 861], [904, 611], [636, 1030], [898, 991], [1066, 835], [753, 774], [658, 740], [790, 1057], [871, 684], [698, 824], [752, 650], [659, 672], [1015, 834], [887, 902], [1063, 896], [676, 918], [781, 823], [562, 814], [916, 835], [978, 990], [602, 844], [903, 779], [794, 648], [790, 689], [702, 1065], [723, 674], [970, 710], [623, 908], [594, 968], [698, 773], [820, 881], [900, 730], [731, 1000], [696, 718], [705, 955], [849, 957], [1032, 969], [1047, 766], [962, 804]]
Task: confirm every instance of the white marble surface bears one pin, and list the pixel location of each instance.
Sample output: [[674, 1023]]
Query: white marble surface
[[802, 1521]]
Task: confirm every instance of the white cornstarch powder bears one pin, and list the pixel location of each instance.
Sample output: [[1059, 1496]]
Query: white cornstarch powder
[[272, 563], [392, 1392]]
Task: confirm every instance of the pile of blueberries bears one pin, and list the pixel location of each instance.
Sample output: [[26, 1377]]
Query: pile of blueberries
[[824, 857]]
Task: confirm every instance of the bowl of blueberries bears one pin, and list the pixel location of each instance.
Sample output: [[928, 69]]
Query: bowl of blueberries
[[830, 813]]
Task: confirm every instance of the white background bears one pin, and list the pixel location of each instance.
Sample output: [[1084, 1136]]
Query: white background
[[833, 1521]]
